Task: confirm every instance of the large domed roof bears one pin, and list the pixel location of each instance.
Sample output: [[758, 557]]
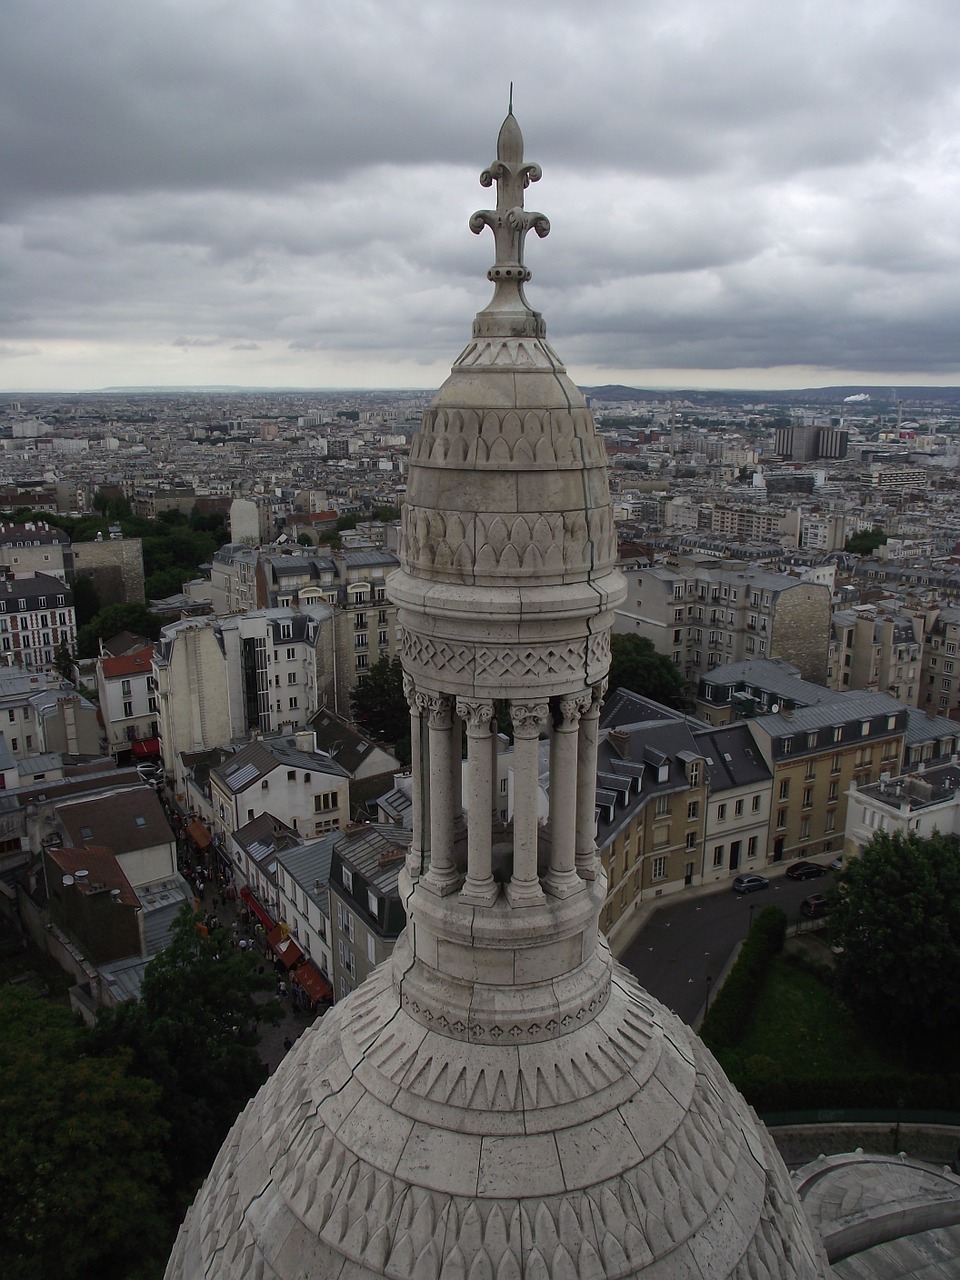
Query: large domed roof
[[383, 1148]]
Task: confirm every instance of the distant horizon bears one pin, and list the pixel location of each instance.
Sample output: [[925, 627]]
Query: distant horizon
[[861, 387]]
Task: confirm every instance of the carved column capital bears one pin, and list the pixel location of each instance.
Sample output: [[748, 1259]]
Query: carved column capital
[[528, 718], [569, 710], [410, 692], [439, 708], [477, 715]]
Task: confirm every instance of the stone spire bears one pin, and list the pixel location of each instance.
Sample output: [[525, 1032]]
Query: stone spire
[[505, 599], [500, 1099]]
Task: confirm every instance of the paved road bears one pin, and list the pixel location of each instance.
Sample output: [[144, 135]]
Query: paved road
[[688, 940]]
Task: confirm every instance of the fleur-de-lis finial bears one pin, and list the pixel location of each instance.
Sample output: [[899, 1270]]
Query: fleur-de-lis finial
[[509, 222]]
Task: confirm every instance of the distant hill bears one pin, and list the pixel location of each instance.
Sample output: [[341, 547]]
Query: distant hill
[[882, 399]]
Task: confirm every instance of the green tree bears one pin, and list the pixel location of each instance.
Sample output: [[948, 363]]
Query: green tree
[[82, 1172], [111, 621], [636, 665], [896, 916], [195, 1032], [379, 704], [86, 600], [866, 542]]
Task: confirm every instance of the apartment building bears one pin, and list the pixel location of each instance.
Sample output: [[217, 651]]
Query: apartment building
[[815, 754], [920, 802], [351, 583], [35, 547], [219, 678], [876, 649], [702, 616], [126, 690], [940, 671], [285, 777], [41, 712], [651, 807], [36, 619], [366, 912]]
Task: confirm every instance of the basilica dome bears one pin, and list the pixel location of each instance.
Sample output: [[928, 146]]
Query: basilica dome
[[500, 1100]]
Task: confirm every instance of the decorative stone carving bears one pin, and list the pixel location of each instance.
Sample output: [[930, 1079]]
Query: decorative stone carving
[[477, 715], [528, 718]]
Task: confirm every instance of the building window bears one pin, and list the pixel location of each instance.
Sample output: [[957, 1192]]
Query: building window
[[693, 810], [811, 769], [659, 868], [835, 766], [785, 789], [738, 809], [755, 804], [805, 829], [371, 949], [691, 840], [718, 855], [752, 847], [693, 774], [128, 708], [323, 803], [781, 819], [786, 746], [372, 903], [807, 797], [361, 661], [347, 877], [291, 677], [832, 791], [293, 704], [721, 813], [663, 806]]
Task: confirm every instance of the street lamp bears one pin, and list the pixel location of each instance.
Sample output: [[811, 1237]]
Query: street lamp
[[896, 1135], [706, 1007]]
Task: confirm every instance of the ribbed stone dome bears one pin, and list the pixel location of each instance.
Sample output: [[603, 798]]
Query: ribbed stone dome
[[500, 1101], [381, 1148]]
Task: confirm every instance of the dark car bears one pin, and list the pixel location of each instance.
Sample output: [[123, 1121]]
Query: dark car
[[815, 906], [806, 871], [747, 884]]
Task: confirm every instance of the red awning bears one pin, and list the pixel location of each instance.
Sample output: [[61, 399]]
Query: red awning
[[145, 747], [265, 919], [313, 982], [284, 947], [199, 834]]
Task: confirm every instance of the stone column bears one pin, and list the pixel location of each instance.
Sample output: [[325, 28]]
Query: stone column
[[479, 886], [419, 779], [524, 887], [443, 876], [562, 879], [587, 784]]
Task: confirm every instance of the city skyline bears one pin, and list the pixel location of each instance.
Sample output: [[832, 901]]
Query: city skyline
[[740, 198]]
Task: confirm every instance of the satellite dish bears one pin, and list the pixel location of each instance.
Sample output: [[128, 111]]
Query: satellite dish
[[775, 708]]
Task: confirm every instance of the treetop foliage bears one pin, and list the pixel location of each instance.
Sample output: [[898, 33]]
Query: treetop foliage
[[82, 1174], [896, 918], [636, 665]]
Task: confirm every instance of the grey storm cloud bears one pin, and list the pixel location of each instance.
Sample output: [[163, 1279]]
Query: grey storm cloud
[[275, 192]]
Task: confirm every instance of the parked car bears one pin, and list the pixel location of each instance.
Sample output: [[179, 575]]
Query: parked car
[[837, 863], [748, 884], [806, 871], [815, 906]]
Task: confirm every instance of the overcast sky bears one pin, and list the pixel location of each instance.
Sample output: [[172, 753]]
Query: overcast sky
[[743, 193]]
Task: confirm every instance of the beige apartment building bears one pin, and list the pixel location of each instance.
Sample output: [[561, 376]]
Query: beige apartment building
[[876, 649], [815, 754], [702, 616]]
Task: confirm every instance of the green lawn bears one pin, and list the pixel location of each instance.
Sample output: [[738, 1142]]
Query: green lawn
[[799, 1024]]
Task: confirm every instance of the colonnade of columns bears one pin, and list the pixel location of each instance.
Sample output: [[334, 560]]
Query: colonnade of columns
[[435, 723]]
